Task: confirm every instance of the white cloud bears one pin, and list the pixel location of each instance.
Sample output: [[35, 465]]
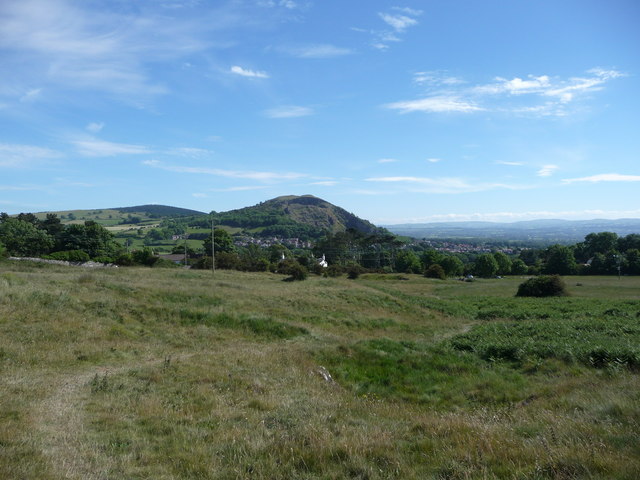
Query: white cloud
[[199, 195], [244, 174], [31, 96], [604, 177], [398, 22], [434, 160], [78, 46], [436, 78], [547, 170], [319, 51], [387, 160], [239, 188], [248, 73], [512, 164], [101, 148], [534, 95], [288, 111], [15, 156], [436, 104], [325, 183], [94, 127], [442, 184]]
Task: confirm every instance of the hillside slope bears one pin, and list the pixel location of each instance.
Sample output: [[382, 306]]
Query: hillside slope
[[291, 215]]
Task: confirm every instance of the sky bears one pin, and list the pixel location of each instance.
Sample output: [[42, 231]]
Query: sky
[[398, 111]]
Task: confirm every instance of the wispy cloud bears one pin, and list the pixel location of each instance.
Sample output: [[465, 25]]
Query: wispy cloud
[[15, 156], [219, 172], [547, 170], [434, 160], [512, 164], [318, 51], [102, 148], [288, 111], [436, 78], [397, 21], [387, 160], [81, 45], [533, 95], [604, 177], [248, 73], [244, 188], [31, 95], [325, 183], [94, 127], [436, 104], [442, 184]]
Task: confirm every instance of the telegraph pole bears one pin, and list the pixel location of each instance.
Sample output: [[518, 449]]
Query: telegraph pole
[[213, 248]]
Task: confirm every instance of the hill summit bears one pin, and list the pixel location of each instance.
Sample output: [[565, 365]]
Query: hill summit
[[302, 216]]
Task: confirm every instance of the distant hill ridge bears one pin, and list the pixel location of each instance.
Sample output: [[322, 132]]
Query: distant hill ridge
[[159, 210]]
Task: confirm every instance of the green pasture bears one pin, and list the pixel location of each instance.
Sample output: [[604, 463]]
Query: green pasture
[[144, 373]]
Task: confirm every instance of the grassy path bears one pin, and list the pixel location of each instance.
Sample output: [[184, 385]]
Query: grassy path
[[60, 420]]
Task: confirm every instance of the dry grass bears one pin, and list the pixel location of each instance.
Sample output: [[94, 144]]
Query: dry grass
[[170, 374]]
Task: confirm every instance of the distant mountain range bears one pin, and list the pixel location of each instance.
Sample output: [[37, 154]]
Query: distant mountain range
[[548, 231]]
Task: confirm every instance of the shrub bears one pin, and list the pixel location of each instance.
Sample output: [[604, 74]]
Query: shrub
[[542, 286], [297, 272], [353, 271], [124, 260], [334, 270], [227, 260], [435, 271]]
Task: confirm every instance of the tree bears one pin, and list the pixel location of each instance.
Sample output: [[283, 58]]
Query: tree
[[429, 257], [452, 265], [486, 266], [504, 263], [560, 260], [223, 242], [407, 262], [22, 238], [435, 271], [518, 267]]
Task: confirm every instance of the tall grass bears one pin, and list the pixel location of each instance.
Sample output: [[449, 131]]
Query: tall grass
[[174, 374]]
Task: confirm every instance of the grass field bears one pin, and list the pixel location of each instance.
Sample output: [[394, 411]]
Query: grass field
[[144, 373]]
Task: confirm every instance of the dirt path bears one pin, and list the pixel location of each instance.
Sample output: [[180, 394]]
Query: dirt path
[[60, 422]]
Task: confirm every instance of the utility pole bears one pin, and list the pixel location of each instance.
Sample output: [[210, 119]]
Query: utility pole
[[213, 248], [185, 249]]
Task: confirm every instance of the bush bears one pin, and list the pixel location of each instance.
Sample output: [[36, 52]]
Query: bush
[[435, 271], [297, 272], [353, 271], [334, 270], [542, 286], [124, 260]]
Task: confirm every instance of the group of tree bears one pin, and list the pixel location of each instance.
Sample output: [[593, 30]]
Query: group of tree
[[27, 236], [603, 253]]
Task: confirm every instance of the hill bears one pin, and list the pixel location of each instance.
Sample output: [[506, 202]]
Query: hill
[[139, 214], [546, 231], [289, 216]]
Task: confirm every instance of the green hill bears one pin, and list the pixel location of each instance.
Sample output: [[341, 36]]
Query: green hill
[[303, 216], [141, 214]]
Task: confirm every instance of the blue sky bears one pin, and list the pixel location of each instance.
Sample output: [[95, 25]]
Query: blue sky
[[410, 111]]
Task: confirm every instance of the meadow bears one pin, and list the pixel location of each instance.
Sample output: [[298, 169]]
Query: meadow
[[142, 373]]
